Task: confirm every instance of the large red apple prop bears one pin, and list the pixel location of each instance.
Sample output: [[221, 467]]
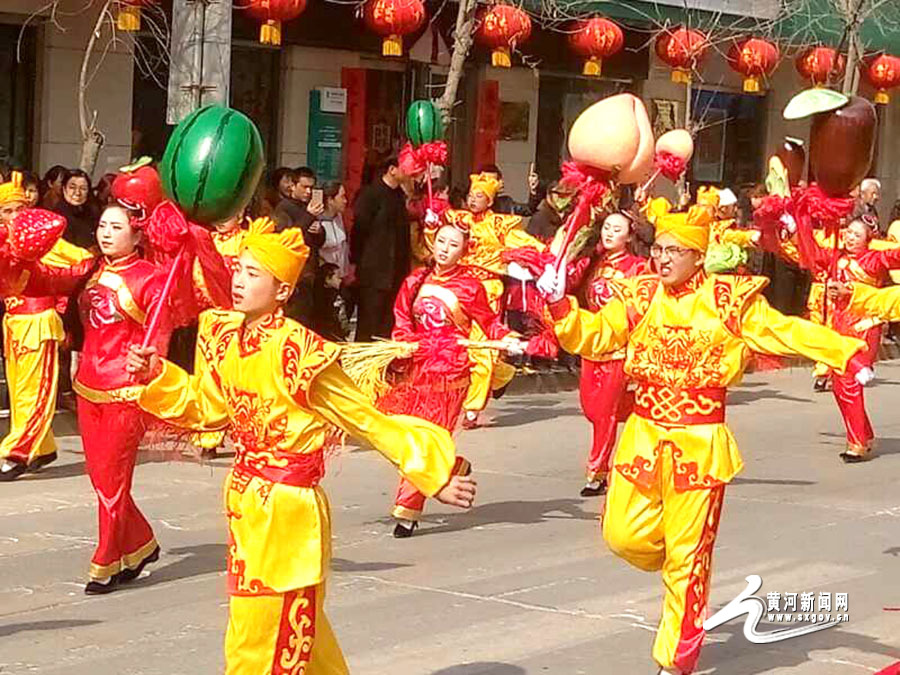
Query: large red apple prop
[[138, 187]]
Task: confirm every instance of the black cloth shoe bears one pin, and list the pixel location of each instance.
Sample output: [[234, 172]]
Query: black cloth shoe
[[402, 531], [98, 588], [853, 458], [821, 384], [127, 575], [14, 471], [43, 461], [590, 491]]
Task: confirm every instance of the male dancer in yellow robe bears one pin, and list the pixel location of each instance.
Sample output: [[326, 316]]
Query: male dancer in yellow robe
[[279, 388], [32, 331], [687, 337], [490, 235]]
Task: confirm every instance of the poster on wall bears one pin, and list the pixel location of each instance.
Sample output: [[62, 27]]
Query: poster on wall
[[514, 117], [324, 141]]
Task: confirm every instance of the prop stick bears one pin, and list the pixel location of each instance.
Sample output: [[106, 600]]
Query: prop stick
[[645, 188], [163, 299], [573, 224]]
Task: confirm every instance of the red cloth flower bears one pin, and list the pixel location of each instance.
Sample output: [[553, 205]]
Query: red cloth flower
[[669, 165]]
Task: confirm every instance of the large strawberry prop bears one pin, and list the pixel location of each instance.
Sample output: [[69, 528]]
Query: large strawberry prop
[[138, 187], [33, 233]]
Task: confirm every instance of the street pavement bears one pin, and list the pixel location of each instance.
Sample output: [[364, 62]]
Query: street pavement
[[520, 584]]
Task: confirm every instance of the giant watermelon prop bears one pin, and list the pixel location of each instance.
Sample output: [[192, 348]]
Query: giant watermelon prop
[[423, 123], [212, 164]]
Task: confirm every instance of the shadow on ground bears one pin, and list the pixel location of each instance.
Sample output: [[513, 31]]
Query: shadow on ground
[[737, 656], [513, 513], [195, 561], [344, 565], [481, 668], [32, 626]]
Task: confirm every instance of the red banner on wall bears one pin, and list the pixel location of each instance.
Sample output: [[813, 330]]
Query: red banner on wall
[[487, 123], [354, 81]]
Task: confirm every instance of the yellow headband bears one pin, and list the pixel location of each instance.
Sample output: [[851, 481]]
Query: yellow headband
[[486, 183], [707, 196], [282, 254], [12, 191], [690, 229]]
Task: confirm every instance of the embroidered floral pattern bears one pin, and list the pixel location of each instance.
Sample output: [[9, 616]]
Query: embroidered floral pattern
[[680, 356]]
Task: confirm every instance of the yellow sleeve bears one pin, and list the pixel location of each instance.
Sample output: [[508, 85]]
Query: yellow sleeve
[[881, 303], [742, 238], [64, 254], [592, 334], [423, 452], [789, 251], [768, 331], [517, 237], [189, 401], [883, 245]]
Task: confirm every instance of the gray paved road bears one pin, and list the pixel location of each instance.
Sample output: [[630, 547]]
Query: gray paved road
[[521, 584]]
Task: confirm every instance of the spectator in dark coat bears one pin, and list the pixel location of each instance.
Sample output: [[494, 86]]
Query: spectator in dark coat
[[380, 249], [79, 209], [551, 213], [299, 210]]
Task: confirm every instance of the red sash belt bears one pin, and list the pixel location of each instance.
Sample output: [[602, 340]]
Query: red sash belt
[[29, 305], [672, 405], [300, 470]]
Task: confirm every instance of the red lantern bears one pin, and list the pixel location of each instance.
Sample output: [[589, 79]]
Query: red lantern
[[754, 59], [502, 28], [128, 18], [392, 19], [819, 64], [596, 39], [681, 49], [272, 13], [883, 73]]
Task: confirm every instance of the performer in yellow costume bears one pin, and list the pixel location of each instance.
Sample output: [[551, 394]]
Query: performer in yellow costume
[[490, 235], [279, 388], [688, 336], [32, 331], [723, 228]]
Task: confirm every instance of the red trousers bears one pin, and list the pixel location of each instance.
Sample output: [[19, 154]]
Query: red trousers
[[605, 402], [850, 399], [110, 433], [410, 503]]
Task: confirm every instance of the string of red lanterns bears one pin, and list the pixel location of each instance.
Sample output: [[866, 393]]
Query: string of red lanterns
[[883, 73], [273, 13], [502, 28], [755, 59], [392, 19], [596, 39], [681, 49], [128, 16], [819, 64]]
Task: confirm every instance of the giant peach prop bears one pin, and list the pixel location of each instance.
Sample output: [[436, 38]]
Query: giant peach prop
[[615, 136]]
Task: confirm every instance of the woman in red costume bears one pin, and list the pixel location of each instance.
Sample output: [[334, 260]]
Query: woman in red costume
[[856, 261], [436, 308], [117, 294], [604, 398]]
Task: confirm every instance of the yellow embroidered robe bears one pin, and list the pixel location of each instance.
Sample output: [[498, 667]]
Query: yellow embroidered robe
[[681, 348], [279, 389]]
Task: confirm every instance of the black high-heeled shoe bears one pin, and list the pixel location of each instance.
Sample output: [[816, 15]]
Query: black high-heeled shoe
[[402, 531], [127, 575], [100, 588]]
